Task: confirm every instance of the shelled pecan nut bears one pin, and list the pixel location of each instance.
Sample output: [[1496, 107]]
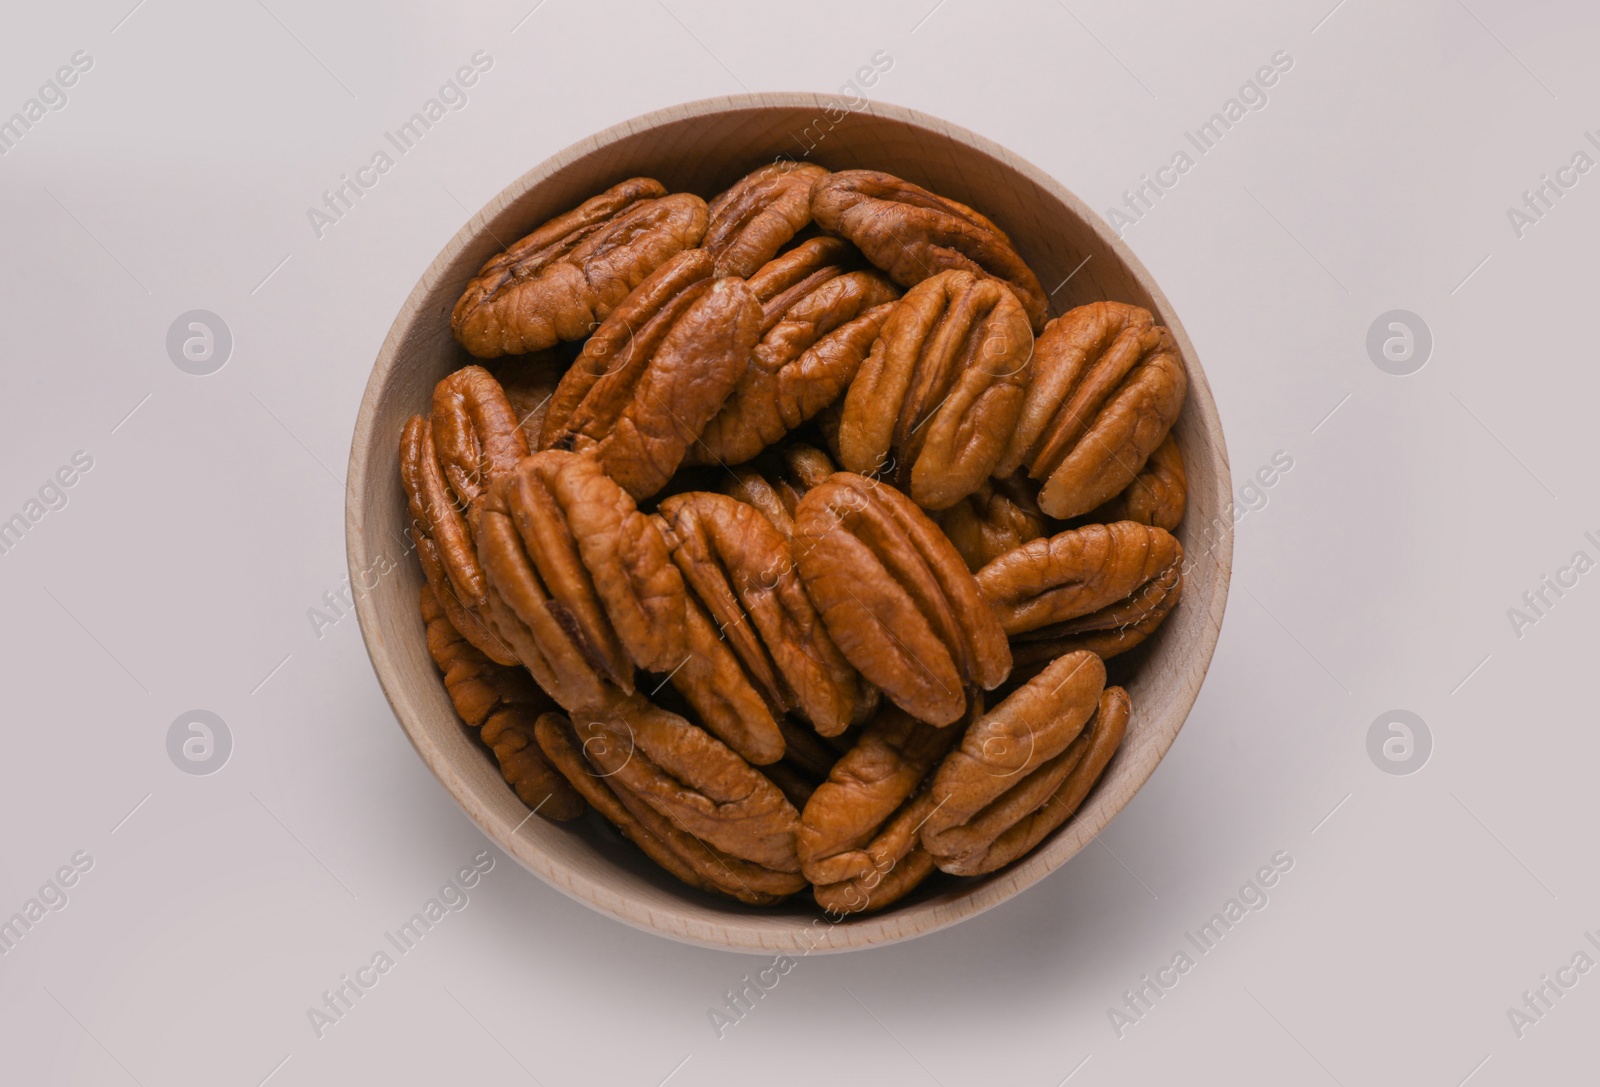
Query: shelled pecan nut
[[446, 460], [1157, 494], [1107, 386], [896, 597], [742, 570], [758, 215], [913, 234], [583, 585], [1013, 825], [941, 389], [557, 282], [865, 789], [656, 372], [677, 851], [503, 702], [998, 517], [1007, 764], [692, 779], [814, 338]]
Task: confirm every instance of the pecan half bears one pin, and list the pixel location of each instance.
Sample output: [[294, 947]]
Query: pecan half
[[504, 703], [741, 568], [758, 215], [1011, 826], [815, 335], [656, 372], [1113, 582], [775, 484], [941, 390], [896, 597], [1107, 386], [715, 682], [851, 831], [998, 517], [447, 459], [583, 586], [692, 779], [1157, 494], [1011, 761], [554, 284], [913, 234], [682, 854]]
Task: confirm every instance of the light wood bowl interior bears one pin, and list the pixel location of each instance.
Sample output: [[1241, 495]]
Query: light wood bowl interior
[[703, 147]]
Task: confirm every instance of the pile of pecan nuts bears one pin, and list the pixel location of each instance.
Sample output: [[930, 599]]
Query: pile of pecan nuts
[[790, 534]]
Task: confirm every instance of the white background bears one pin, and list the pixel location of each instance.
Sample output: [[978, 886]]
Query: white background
[[1377, 577]]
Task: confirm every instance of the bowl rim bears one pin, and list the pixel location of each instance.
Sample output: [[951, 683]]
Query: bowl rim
[[753, 932]]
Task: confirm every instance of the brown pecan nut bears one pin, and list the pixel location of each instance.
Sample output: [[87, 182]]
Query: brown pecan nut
[[682, 854], [1107, 386], [504, 703], [1114, 583], [1157, 494], [692, 779], [998, 517], [913, 234], [716, 684], [1010, 760], [758, 215], [447, 459], [941, 390], [656, 372], [896, 597], [775, 484], [556, 283], [847, 828], [814, 337], [741, 568], [583, 585], [1022, 817]]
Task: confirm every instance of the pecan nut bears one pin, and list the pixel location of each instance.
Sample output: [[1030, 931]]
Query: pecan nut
[[1157, 494], [913, 234], [1112, 584], [677, 851], [758, 215], [691, 779], [656, 372], [1107, 386], [1012, 761], [741, 568], [503, 703], [853, 830], [582, 585], [941, 390], [447, 459], [999, 516], [896, 597], [1013, 825], [776, 484], [556, 283], [815, 333]]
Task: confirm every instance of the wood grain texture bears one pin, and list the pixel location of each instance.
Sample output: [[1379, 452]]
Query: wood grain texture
[[704, 146]]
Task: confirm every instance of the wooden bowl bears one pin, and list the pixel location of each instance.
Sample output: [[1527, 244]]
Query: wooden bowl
[[702, 147]]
